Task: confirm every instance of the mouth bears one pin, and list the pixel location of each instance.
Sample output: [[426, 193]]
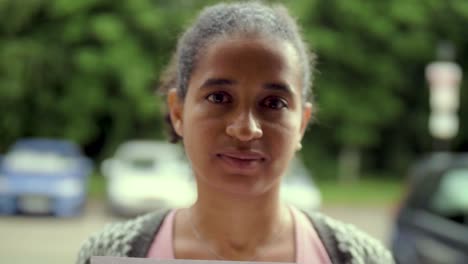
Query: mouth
[[241, 161]]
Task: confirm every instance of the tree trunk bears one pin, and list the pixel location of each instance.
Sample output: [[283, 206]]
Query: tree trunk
[[349, 165]]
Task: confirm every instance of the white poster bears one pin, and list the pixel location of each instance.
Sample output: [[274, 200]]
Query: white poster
[[121, 260]]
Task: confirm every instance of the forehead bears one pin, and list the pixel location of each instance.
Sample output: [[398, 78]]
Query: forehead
[[255, 57]]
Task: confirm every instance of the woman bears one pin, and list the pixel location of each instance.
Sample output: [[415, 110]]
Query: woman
[[239, 100]]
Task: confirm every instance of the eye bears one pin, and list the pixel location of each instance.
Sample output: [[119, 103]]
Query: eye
[[275, 103], [219, 98]]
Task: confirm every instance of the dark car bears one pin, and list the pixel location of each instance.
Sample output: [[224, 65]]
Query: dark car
[[432, 223], [43, 176]]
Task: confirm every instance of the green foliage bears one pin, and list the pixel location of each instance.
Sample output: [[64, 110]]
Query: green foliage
[[86, 69], [370, 85]]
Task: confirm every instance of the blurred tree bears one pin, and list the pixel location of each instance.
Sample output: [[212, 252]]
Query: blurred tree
[[85, 70], [371, 91]]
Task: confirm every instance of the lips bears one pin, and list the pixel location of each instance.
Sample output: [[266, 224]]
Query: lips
[[244, 155], [242, 161]]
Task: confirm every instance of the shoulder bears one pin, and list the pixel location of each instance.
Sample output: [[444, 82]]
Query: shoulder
[[347, 244], [127, 238]]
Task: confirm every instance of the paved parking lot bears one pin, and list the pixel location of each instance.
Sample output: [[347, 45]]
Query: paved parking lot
[[47, 240]]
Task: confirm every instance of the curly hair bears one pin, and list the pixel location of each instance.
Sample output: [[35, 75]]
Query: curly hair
[[228, 20]]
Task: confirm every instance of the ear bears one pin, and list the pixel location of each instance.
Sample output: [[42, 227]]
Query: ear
[[306, 114], [176, 109]]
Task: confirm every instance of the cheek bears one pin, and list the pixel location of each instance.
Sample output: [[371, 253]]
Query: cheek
[[281, 144], [287, 124], [201, 129], [281, 136], [200, 119]]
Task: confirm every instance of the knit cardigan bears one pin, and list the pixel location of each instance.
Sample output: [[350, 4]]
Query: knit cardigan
[[344, 243]]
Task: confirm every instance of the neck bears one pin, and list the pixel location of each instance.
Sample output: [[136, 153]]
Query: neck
[[238, 226]]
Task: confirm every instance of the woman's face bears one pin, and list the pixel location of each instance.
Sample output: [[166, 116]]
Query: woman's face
[[243, 117]]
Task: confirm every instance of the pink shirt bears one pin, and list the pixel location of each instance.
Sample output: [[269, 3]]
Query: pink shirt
[[161, 248], [309, 248]]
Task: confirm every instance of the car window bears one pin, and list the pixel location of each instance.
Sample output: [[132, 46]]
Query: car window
[[38, 162], [142, 164], [451, 196]]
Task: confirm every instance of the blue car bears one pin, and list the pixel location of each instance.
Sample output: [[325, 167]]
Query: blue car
[[43, 176]]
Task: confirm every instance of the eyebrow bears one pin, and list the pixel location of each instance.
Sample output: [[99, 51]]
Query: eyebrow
[[279, 87], [218, 82], [212, 82]]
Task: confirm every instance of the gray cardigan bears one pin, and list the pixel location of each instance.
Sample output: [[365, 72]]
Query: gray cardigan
[[344, 243]]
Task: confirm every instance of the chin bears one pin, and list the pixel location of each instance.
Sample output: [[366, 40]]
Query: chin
[[243, 186]]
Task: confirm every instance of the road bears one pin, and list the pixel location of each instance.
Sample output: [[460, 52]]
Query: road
[[47, 240]]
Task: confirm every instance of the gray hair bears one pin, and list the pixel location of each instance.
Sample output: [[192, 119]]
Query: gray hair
[[235, 19]]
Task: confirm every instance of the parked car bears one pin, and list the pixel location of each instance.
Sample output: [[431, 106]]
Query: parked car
[[298, 187], [432, 222], [145, 175], [43, 176]]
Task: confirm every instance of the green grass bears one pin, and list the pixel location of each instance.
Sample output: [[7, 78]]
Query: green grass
[[364, 192], [97, 186], [367, 191]]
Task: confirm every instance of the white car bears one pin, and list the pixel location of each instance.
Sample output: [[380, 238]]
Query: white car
[[298, 188], [146, 175]]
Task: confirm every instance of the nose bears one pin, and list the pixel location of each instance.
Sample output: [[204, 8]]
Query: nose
[[244, 127]]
